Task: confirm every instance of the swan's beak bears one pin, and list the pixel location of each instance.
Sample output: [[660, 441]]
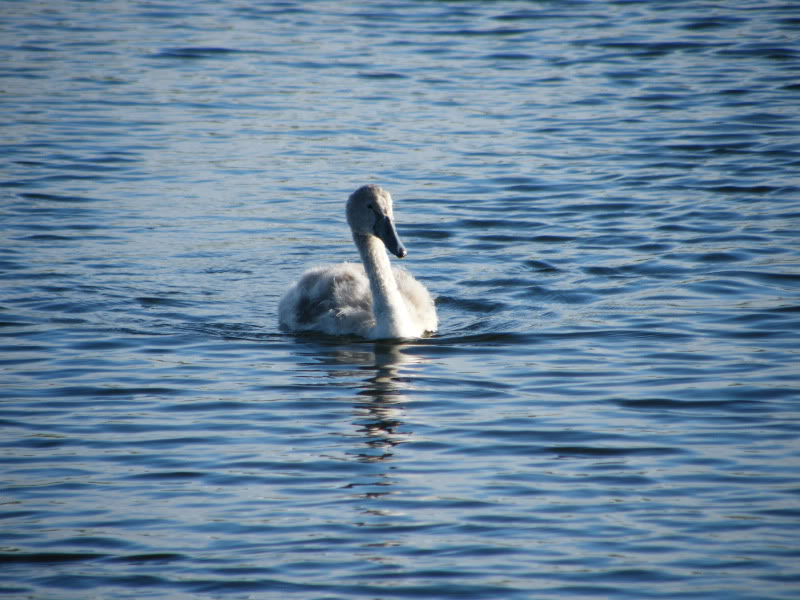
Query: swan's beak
[[385, 230]]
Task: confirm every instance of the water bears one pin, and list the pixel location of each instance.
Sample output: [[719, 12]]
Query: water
[[602, 196]]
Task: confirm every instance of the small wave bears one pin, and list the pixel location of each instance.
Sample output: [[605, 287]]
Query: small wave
[[470, 304], [39, 558], [683, 405], [198, 52], [58, 197], [790, 280]]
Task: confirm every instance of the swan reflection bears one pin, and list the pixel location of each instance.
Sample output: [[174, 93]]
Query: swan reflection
[[379, 376], [379, 405]]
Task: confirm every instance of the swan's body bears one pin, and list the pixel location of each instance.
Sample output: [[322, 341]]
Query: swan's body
[[374, 301]]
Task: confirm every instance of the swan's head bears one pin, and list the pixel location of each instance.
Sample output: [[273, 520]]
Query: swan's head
[[369, 212]]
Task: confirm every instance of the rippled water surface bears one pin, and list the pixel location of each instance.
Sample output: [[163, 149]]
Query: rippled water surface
[[603, 197]]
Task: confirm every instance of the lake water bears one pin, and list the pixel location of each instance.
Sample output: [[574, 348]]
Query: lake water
[[603, 197]]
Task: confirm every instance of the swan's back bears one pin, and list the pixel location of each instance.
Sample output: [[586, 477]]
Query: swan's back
[[334, 300], [337, 300]]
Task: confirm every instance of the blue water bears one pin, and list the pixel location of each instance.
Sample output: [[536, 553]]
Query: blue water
[[603, 197]]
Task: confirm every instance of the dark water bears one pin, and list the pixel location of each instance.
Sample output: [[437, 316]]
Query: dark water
[[604, 197]]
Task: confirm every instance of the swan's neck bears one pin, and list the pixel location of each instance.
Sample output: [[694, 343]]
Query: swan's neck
[[391, 315]]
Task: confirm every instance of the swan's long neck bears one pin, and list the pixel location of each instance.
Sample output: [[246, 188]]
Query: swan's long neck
[[391, 314]]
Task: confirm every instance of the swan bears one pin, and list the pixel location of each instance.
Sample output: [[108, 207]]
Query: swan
[[372, 300]]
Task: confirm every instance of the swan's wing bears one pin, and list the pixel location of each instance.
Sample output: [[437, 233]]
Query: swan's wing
[[334, 299], [418, 300]]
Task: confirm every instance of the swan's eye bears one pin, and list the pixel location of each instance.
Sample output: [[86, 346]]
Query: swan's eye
[[369, 206]]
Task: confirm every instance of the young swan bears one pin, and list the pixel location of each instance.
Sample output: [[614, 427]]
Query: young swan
[[372, 300]]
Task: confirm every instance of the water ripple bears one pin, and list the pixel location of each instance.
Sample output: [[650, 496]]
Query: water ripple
[[601, 196]]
